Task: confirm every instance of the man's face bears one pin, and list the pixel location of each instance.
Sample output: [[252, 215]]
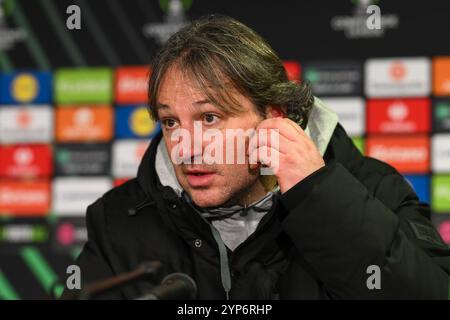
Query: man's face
[[180, 105]]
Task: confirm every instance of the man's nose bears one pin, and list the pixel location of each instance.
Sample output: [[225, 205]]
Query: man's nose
[[192, 145]]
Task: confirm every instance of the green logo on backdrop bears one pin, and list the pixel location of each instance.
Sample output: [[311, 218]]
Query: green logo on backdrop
[[442, 111], [40, 234], [440, 198], [83, 86], [312, 75], [62, 156]]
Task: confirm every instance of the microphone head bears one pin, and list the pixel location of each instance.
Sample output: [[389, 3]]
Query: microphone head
[[185, 282]]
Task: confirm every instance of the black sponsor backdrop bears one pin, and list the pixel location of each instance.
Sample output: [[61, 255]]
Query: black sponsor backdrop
[[296, 29], [112, 35]]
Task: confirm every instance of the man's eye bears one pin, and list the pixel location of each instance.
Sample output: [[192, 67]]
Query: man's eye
[[210, 118], [169, 123]]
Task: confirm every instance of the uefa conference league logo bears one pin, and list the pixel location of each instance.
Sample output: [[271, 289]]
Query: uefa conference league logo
[[174, 20], [365, 22]]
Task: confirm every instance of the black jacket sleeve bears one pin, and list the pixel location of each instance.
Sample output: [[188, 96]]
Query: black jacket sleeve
[[341, 228], [93, 264]]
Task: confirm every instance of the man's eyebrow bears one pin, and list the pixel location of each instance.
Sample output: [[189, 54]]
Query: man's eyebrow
[[202, 102], [162, 106]]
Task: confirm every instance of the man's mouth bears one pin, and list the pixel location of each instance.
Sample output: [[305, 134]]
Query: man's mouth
[[199, 178]]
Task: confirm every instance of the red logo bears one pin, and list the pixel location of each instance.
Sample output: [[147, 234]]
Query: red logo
[[132, 85], [24, 198], [397, 70], [23, 118], [26, 161], [408, 154], [398, 116]]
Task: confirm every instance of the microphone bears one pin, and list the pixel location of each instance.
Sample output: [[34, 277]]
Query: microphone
[[147, 270], [175, 286]]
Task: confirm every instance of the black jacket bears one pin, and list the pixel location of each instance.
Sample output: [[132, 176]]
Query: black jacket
[[317, 241]]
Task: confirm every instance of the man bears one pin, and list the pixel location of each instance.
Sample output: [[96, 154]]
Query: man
[[328, 223]]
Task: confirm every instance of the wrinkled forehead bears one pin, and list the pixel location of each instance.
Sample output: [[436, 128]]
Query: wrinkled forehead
[[178, 82], [198, 84]]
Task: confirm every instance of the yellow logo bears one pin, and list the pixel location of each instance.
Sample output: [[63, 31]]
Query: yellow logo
[[24, 88], [141, 123]]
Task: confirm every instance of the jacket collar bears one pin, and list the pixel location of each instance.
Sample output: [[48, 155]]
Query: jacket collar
[[146, 175]]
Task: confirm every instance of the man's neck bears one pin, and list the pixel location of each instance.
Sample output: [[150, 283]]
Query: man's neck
[[261, 187]]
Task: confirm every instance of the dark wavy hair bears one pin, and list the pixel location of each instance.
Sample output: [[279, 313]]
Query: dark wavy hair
[[220, 54]]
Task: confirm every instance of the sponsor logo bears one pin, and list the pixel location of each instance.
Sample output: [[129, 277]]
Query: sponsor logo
[[24, 233], [440, 146], [397, 70], [24, 198], [356, 25], [132, 85], [27, 124], [421, 185], [69, 232], [93, 124], [440, 197], [83, 159], [174, 20], [441, 115], [141, 123], [293, 70], [25, 161], [408, 154], [25, 88], [397, 111], [134, 122], [127, 155], [398, 116], [401, 77], [339, 78], [83, 85], [351, 113], [71, 196], [441, 76]]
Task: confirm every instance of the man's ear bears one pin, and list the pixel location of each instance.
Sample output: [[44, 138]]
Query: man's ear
[[275, 112]]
